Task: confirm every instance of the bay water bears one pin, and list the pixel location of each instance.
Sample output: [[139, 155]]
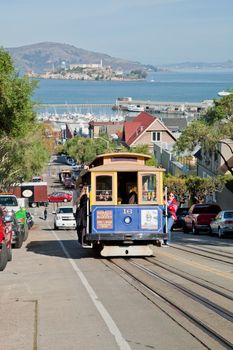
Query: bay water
[[160, 86]]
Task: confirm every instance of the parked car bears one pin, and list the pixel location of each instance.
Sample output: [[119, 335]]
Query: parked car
[[181, 213], [222, 224], [64, 218], [5, 239], [37, 179], [199, 217], [56, 197], [70, 161]]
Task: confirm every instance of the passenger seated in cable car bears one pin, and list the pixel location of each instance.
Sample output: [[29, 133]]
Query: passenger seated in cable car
[[132, 196]]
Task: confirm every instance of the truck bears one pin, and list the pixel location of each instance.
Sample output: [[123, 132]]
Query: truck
[[35, 192]]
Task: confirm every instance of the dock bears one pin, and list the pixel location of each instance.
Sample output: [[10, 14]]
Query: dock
[[148, 106]]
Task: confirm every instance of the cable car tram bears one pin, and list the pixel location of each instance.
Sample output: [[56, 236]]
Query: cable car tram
[[124, 210]]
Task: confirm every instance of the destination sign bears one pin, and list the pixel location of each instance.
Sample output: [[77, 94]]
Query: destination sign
[[104, 219]]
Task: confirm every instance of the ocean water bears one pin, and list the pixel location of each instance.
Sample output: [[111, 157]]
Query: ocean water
[[161, 86]]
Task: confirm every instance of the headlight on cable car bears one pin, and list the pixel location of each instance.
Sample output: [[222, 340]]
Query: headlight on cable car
[[127, 219]]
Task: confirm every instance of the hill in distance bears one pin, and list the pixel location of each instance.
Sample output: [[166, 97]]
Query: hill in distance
[[46, 56]]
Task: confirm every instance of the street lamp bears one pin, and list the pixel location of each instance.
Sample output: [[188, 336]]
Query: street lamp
[[227, 144], [228, 166], [102, 138]]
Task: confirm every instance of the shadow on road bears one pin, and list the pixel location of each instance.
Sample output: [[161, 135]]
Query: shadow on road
[[53, 248]]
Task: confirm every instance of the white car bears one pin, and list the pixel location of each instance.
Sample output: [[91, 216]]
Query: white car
[[64, 218]]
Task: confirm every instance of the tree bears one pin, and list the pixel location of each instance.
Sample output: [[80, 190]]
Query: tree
[[193, 188], [22, 148], [178, 186], [199, 188], [17, 116], [85, 150]]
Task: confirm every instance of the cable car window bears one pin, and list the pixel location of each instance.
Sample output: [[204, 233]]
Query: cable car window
[[149, 188], [104, 188]]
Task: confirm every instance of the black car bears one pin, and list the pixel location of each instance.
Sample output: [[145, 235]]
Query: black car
[[181, 213]]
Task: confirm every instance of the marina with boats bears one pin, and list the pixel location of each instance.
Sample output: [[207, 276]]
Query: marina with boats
[[123, 107]]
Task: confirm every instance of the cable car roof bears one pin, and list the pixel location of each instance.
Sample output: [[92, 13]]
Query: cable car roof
[[129, 167]]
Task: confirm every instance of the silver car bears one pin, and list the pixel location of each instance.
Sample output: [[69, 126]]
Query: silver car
[[222, 223]]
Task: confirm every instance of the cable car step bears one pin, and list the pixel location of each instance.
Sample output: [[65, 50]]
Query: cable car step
[[137, 250]]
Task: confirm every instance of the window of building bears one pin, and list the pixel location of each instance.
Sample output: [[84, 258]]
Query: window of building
[[156, 136], [104, 188]]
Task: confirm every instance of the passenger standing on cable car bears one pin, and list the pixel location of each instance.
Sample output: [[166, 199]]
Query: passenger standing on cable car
[[81, 214], [172, 207]]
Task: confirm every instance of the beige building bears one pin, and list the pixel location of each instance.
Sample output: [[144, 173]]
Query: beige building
[[146, 129]]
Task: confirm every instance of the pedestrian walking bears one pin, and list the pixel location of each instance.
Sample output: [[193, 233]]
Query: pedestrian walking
[[45, 214]]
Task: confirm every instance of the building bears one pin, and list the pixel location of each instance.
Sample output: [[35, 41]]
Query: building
[[217, 162], [146, 129]]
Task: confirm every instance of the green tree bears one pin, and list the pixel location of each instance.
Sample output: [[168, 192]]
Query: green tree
[[22, 149], [85, 150], [199, 188], [193, 188], [178, 186], [17, 116]]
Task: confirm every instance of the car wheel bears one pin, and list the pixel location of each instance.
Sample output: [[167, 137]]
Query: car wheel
[[33, 205], [25, 233], [19, 241], [185, 229], [220, 233], [194, 230], [9, 253], [210, 231], [3, 257], [65, 200]]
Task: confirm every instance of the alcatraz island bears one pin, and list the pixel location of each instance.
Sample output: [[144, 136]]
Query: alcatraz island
[[93, 71]]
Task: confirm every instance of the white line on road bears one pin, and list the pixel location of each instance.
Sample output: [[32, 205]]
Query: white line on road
[[123, 345]]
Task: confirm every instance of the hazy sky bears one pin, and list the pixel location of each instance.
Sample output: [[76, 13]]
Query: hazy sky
[[148, 31]]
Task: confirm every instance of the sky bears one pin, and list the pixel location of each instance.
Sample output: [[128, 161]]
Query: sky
[[148, 31]]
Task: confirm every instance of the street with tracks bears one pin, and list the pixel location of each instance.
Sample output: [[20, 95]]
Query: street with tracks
[[56, 295]]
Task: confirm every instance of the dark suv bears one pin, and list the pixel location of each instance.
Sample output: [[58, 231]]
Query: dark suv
[[181, 213], [199, 217]]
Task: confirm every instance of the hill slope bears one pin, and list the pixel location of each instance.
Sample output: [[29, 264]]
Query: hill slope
[[46, 56]]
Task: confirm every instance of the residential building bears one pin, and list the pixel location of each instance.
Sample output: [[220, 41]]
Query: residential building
[[146, 129], [214, 162]]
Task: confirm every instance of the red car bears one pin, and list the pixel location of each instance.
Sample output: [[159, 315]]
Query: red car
[[199, 217], [60, 197], [5, 239]]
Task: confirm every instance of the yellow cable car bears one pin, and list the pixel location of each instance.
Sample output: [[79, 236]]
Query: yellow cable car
[[123, 214]]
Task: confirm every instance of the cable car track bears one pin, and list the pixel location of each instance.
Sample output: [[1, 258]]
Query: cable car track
[[194, 279], [214, 320], [190, 250]]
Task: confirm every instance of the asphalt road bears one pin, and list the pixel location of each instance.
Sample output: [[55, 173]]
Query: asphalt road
[[56, 295]]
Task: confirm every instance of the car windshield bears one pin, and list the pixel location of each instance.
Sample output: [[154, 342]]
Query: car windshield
[[65, 210], [228, 215], [182, 211], [8, 201], [213, 209]]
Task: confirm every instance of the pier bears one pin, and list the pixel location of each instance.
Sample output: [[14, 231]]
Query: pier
[[148, 106]]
